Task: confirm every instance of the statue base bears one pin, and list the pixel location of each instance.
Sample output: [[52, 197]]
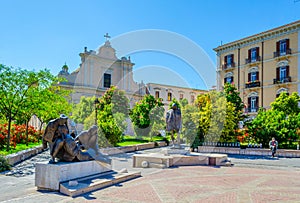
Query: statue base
[[49, 176]]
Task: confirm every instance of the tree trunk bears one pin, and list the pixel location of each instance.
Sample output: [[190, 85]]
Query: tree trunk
[[26, 133], [8, 133]]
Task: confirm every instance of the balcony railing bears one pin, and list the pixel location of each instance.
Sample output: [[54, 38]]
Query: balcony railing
[[252, 60], [282, 80], [226, 66], [281, 53], [251, 109], [253, 84]]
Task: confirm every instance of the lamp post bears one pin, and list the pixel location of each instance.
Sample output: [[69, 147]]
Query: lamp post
[[96, 102]]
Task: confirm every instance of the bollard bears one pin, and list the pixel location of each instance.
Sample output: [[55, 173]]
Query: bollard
[[297, 146]]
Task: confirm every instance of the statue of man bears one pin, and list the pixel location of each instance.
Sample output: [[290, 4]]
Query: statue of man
[[173, 121], [53, 136]]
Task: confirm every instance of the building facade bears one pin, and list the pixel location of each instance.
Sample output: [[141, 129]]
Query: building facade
[[98, 71], [261, 66], [168, 92]]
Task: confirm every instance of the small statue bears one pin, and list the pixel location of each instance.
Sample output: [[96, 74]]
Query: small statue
[[173, 121], [67, 148]]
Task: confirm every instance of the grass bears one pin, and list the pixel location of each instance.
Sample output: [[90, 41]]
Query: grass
[[18, 148], [132, 140]]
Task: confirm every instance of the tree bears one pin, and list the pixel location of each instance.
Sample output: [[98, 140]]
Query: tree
[[233, 96], [16, 85], [113, 110], [53, 103], [287, 104], [190, 125], [145, 113], [281, 121], [217, 119], [83, 109]]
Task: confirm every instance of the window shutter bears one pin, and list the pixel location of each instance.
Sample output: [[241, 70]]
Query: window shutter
[[249, 54], [224, 81], [257, 75], [225, 59], [277, 46], [287, 71], [232, 58], [249, 77], [257, 52], [287, 43], [249, 102], [277, 73], [256, 102], [232, 79]]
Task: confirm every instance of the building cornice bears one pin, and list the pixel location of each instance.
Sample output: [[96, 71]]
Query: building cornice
[[263, 36]]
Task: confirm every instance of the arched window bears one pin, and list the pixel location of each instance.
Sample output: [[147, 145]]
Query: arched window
[[253, 102], [279, 91]]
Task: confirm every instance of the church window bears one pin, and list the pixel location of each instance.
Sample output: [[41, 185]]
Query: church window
[[107, 80]]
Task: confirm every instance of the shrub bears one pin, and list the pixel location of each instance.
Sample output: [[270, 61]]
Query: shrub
[[4, 165]]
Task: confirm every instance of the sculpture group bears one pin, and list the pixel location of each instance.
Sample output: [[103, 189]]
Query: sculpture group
[[68, 147]]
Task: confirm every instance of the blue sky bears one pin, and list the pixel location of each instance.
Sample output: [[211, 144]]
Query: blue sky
[[45, 34]]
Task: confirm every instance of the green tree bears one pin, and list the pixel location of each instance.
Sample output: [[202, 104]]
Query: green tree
[[113, 111], [145, 113], [287, 104], [16, 85], [281, 121], [54, 102], [190, 125], [233, 96], [83, 109]]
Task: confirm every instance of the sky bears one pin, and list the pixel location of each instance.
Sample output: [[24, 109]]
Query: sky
[[47, 34]]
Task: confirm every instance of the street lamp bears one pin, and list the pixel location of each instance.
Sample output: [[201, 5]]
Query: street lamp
[[96, 102]]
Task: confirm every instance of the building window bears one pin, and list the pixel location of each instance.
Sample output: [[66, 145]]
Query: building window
[[228, 80], [107, 80], [180, 96], [169, 96], [156, 94], [192, 99], [282, 75], [252, 104], [282, 48], [253, 55], [253, 76], [229, 62]]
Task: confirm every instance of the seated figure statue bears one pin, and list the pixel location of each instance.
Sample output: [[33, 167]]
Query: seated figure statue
[[64, 147]]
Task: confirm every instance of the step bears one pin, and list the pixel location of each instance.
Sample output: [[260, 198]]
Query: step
[[91, 183]]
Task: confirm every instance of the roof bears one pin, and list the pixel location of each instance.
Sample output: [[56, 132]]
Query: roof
[[259, 35]]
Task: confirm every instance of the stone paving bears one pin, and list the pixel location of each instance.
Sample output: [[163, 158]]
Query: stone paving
[[252, 179]]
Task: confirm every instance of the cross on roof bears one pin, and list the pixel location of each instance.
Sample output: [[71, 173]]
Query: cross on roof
[[106, 36]]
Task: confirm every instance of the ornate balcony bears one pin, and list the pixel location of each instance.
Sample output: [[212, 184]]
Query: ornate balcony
[[253, 60], [278, 53], [227, 66], [282, 80], [253, 84]]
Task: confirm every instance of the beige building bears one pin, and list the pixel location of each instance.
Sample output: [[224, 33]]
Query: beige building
[[261, 66], [168, 92], [99, 70]]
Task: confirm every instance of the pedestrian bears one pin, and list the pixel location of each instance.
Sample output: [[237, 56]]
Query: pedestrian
[[273, 146]]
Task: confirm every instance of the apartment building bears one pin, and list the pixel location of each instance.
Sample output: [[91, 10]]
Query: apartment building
[[261, 66]]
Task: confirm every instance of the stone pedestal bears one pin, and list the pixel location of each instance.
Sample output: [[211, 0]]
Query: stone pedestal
[[49, 176]]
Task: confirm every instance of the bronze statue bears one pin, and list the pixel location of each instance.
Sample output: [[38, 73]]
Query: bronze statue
[[64, 147], [173, 121]]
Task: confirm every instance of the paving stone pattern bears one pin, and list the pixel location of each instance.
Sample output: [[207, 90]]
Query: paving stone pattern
[[251, 179]]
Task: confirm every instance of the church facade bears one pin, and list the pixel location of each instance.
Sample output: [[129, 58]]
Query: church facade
[[99, 70]]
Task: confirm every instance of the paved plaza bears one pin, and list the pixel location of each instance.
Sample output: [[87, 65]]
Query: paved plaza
[[251, 179]]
